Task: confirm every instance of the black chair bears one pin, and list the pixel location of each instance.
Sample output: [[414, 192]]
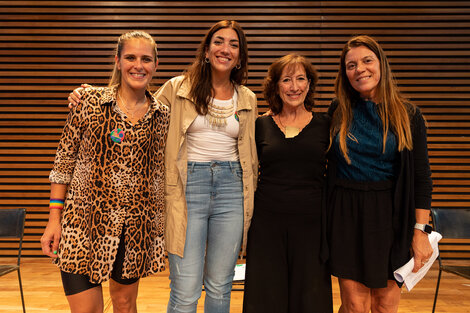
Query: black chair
[[12, 226], [455, 224]]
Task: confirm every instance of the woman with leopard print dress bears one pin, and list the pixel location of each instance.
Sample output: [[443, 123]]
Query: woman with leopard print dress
[[109, 171]]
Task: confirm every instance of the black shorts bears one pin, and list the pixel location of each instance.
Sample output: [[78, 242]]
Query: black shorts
[[75, 283]]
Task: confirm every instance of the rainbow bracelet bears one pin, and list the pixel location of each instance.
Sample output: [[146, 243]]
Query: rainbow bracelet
[[56, 204]]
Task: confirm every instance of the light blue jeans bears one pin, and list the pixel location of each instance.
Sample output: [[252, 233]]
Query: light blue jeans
[[214, 194]]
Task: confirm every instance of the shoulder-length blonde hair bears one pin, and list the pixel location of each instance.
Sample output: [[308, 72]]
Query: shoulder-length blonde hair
[[271, 83], [393, 109], [135, 34], [199, 73]]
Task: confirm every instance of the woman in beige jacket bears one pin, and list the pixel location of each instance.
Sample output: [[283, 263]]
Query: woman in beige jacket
[[211, 169]]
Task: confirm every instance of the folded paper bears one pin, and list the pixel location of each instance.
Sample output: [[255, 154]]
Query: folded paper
[[405, 275]]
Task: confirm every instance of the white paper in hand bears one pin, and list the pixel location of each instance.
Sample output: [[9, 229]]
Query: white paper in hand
[[405, 274]]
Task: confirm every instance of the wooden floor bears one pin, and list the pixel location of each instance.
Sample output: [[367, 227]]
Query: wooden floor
[[43, 292]]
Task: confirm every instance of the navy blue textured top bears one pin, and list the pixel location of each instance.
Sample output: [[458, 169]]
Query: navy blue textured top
[[365, 147]]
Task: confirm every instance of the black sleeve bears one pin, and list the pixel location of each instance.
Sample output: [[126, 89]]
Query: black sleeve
[[332, 107], [259, 133], [422, 181]]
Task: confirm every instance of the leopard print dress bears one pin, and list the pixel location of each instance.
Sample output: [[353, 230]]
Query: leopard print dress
[[115, 176]]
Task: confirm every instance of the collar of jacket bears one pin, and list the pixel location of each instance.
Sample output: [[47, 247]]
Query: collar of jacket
[[244, 102]]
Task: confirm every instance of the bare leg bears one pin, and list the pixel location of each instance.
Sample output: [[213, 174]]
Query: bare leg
[[355, 297], [88, 301], [386, 300], [124, 297]]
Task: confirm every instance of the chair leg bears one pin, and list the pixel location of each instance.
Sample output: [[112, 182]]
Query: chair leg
[[21, 290], [437, 290]]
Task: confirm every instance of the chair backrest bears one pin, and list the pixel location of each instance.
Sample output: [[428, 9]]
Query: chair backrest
[[452, 223], [12, 223]]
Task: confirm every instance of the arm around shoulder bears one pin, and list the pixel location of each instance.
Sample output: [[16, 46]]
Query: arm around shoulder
[[332, 108], [76, 95]]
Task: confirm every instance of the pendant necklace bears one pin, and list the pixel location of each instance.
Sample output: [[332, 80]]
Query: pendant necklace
[[217, 115], [129, 114], [290, 131]]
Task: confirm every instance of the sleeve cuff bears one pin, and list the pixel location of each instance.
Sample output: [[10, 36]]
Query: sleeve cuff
[[60, 178]]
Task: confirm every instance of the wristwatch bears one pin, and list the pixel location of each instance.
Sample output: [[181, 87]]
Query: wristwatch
[[425, 228]]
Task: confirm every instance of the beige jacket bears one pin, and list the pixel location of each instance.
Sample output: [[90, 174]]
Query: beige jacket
[[175, 94]]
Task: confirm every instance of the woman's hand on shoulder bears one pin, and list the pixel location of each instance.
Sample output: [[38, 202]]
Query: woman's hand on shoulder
[[76, 95]]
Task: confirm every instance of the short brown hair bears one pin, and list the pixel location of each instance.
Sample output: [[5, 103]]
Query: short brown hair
[[271, 83]]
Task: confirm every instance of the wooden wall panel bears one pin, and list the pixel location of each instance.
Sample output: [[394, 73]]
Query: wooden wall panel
[[49, 47]]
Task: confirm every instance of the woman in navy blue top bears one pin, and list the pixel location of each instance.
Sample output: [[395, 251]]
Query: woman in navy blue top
[[379, 181]]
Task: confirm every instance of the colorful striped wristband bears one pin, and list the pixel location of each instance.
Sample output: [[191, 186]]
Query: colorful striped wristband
[[56, 204]]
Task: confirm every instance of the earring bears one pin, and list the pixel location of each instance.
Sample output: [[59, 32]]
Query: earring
[[207, 60], [239, 66]]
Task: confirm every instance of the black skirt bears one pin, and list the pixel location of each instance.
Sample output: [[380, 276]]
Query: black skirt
[[360, 231]]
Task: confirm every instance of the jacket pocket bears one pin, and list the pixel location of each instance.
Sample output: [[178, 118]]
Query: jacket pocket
[[171, 178]]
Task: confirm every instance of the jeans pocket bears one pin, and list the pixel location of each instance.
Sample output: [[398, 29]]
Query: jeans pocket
[[238, 173]]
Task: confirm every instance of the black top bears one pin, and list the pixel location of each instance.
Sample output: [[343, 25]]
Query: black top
[[292, 170]]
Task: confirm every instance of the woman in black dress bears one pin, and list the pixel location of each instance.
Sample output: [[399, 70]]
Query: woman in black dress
[[285, 271]]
